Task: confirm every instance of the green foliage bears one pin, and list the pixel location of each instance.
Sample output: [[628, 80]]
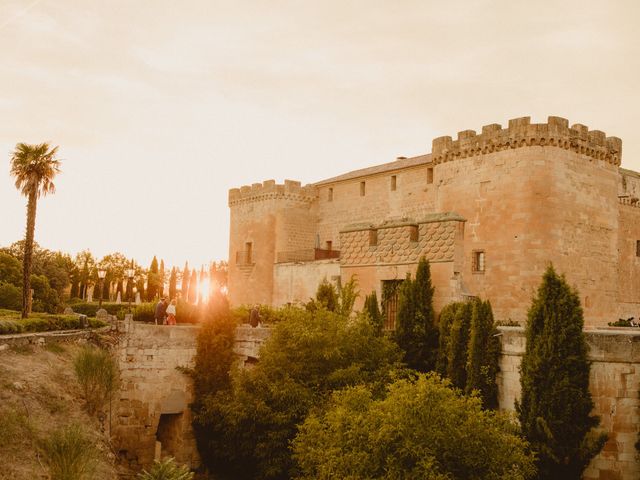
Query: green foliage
[[372, 309], [308, 355], [173, 280], [347, 297], [457, 353], [193, 286], [145, 312], [10, 296], [483, 354], [184, 285], [166, 469], [97, 373], [268, 314], [153, 280], [327, 296], [70, 454], [14, 425], [416, 332], [45, 298], [421, 429], [555, 406], [10, 322], [447, 315], [10, 269]]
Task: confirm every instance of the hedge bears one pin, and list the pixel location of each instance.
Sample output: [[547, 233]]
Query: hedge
[[10, 322]]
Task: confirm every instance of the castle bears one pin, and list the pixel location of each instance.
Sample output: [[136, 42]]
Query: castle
[[489, 211]]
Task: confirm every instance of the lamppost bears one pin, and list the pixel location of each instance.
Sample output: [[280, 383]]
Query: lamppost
[[101, 274], [130, 274]]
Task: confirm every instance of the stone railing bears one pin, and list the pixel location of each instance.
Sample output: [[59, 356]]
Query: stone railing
[[522, 133], [306, 255]]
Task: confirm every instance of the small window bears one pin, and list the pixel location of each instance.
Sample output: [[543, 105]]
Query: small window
[[430, 175], [330, 194], [329, 244], [413, 233], [373, 238], [637, 248], [478, 261], [248, 252], [362, 189], [393, 182]]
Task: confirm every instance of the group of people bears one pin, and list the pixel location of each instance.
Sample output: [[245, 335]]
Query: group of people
[[165, 313]]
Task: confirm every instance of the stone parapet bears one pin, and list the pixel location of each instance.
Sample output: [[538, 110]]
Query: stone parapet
[[522, 133], [270, 190]]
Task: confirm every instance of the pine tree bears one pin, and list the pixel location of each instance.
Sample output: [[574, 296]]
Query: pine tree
[[173, 280], [555, 407], [193, 286], [371, 307], [483, 354], [140, 286], [184, 288], [152, 280], [458, 345], [416, 332]]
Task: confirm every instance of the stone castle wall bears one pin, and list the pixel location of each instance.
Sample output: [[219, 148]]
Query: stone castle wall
[[531, 194]]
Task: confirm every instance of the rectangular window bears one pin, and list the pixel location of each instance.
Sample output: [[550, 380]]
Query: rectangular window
[[373, 238], [393, 182], [330, 194], [413, 233], [362, 187], [430, 175], [329, 244], [637, 248], [248, 252], [477, 263]]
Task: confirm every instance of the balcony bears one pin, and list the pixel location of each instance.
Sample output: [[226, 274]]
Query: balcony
[[307, 255]]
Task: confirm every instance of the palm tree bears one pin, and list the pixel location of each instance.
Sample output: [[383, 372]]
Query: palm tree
[[34, 168]]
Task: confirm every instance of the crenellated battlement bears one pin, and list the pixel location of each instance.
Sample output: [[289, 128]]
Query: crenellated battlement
[[269, 190], [522, 133]]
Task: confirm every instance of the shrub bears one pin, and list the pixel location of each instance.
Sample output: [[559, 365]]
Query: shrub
[[420, 429], [373, 310], [144, 312], [10, 322], [10, 296], [14, 426], [97, 373], [166, 470], [70, 454]]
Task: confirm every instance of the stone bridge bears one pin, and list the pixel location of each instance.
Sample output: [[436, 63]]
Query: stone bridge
[[153, 416]]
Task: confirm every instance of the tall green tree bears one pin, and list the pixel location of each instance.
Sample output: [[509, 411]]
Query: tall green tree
[[373, 310], [34, 168], [457, 352], [173, 279], [447, 315], [184, 286], [152, 280], [416, 331], [555, 408], [161, 279], [483, 354]]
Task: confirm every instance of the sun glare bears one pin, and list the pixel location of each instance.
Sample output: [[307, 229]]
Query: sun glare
[[204, 290]]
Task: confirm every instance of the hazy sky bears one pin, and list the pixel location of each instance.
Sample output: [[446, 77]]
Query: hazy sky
[[159, 107]]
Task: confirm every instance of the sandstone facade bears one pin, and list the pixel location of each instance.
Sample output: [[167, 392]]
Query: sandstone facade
[[490, 211]]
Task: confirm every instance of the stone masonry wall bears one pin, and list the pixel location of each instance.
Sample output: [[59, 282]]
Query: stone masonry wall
[[614, 385]]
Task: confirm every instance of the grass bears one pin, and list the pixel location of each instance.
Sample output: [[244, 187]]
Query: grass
[[167, 469], [55, 348], [97, 373], [14, 427], [70, 454]]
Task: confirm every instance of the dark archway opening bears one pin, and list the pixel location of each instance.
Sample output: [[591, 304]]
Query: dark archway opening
[[169, 434]]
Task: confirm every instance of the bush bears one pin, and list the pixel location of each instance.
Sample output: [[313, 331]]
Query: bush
[[166, 470], [70, 454], [420, 429], [144, 312], [10, 322], [10, 296], [97, 372]]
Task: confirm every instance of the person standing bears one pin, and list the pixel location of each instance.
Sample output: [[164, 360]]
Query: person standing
[[161, 311], [171, 313]]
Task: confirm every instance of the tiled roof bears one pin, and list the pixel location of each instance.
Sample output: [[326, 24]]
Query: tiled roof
[[385, 167]]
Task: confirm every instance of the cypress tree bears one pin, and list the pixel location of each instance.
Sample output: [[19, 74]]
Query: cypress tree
[[416, 332], [193, 286], [447, 315], [371, 307], [184, 287], [555, 407], [458, 345], [161, 279], [483, 354], [152, 280], [173, 280]]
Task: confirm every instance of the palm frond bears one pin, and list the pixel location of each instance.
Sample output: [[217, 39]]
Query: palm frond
[[34, 167]]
